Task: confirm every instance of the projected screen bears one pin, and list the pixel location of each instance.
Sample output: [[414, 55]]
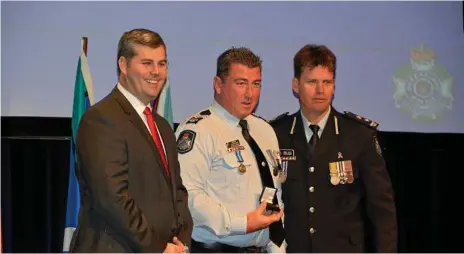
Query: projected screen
[[399, 63]]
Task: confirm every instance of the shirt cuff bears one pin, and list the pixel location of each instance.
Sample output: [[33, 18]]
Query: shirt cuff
[[238, 225]]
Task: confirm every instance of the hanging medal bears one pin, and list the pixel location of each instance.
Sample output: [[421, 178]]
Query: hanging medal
[[241, 167]]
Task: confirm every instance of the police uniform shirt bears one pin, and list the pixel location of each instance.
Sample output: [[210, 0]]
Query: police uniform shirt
[[219, 195]]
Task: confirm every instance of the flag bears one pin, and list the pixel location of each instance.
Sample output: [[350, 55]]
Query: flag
[[163, 104], [83, 99]]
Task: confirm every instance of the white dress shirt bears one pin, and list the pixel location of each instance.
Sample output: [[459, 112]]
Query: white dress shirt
[[139, 108]]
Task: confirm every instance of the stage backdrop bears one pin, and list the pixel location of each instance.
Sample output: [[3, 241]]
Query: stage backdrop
[[399, 63]]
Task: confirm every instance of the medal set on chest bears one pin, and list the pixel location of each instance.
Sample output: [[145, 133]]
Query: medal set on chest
[[340, 171], [279, 169], [274, 156], [234, 146]]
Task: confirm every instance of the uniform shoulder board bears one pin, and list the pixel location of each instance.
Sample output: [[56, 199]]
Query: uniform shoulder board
[[195, 119], [205, 112], [259, 117], [277, 118], [362, 120]]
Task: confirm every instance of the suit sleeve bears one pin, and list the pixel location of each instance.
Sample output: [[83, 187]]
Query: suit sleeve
[[206, 211], [102, 154], [380, 206]]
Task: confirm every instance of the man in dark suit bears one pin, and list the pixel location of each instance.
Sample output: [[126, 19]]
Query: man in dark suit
[[338, 195], [132, 196]]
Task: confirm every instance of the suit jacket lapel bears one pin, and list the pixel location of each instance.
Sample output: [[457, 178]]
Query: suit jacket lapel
[[171, 159], [138, 123]]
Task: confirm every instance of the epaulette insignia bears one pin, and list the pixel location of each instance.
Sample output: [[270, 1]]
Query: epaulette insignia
[[277, 118], [362, 120], [205, 112], [259, 117], [195, 119]]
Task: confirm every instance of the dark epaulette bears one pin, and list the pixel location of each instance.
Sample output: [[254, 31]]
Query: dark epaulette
[[260, 117], [195, 119], [279, 117], [365, 121]]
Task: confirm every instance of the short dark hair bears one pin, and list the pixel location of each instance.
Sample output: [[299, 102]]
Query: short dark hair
[[139, 36], [313, 55], [239, 55]]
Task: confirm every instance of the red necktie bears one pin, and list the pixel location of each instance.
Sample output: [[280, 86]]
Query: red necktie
[[156, 137]]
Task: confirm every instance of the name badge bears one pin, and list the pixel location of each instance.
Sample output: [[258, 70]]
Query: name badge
[[287, 155]]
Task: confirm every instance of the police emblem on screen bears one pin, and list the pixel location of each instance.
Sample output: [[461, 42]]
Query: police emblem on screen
[[423, 89]]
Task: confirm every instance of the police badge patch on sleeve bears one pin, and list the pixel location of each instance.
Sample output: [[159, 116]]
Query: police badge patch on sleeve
[[185, 141], [377, 146]]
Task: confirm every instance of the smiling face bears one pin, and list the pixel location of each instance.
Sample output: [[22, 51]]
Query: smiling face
[[315, 88], [239, 91], [145, 73]]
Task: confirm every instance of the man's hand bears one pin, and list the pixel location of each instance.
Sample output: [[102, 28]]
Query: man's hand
[[175, 247], [257, 220]]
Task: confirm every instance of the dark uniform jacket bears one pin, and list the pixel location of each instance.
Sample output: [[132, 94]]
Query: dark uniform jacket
[[343, 210]]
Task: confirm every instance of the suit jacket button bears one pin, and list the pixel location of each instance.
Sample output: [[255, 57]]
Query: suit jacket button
[[311, 169]]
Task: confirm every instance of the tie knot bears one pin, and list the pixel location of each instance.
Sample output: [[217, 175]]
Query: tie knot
[[243, 124], [314, 128], [147, 111]]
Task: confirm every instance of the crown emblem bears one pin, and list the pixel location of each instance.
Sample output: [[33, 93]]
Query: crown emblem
[[422, 53]]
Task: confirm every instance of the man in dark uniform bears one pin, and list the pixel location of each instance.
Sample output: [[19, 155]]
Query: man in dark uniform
[[337, 192]]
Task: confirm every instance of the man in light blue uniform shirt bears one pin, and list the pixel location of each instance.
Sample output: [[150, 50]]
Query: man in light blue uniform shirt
[[227, 157]]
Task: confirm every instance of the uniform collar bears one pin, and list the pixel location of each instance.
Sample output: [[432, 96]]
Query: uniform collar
[[322, 123], [225, 115]]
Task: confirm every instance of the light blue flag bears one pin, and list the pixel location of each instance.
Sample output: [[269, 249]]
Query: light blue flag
[[164, 104], [83, 99]]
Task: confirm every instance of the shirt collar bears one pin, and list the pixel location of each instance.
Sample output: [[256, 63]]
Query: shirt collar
[[134, 101], [225, 115], [321, 123]]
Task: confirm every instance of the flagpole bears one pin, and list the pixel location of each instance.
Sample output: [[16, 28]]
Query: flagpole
[[84, 44]]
